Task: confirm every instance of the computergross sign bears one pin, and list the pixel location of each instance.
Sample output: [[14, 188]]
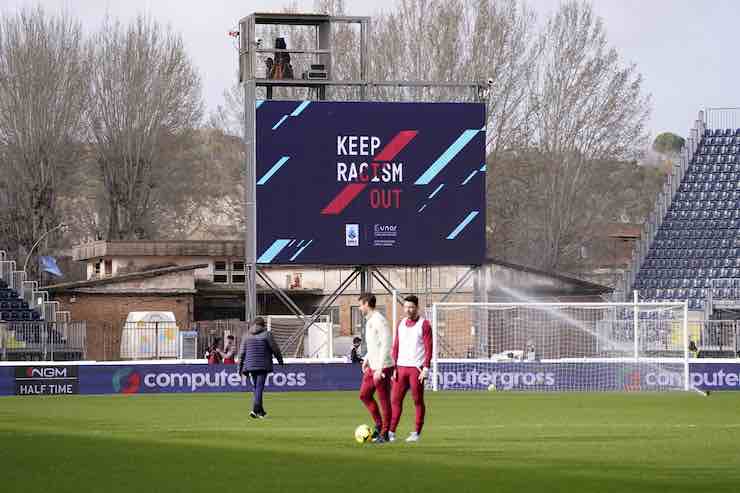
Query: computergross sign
[[197, 378], [370, 183]]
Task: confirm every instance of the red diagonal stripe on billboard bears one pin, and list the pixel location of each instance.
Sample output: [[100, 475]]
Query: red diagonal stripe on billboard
[[341, 201], [396, 145], [351, 191]]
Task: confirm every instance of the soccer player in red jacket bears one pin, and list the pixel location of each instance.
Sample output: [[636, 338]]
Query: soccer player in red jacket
[[412, 355]]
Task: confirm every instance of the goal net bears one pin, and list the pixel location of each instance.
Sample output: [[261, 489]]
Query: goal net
[[560, 346]]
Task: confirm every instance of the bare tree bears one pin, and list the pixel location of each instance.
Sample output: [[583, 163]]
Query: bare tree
[[503, 51], [229, 116], [589, 110], [144, 89], [199, 186], [42, 92]]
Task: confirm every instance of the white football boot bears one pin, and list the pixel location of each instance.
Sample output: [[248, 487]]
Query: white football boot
[[413, 437]]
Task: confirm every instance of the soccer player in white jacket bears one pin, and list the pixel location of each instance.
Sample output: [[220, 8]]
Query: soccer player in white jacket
[[377, 367], [412, 354]]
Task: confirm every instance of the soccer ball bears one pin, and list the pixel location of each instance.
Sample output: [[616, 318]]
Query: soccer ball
[[363, 433], [492, 387]]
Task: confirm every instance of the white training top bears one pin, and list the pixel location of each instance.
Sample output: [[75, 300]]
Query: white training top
[[378, 337], [411, 350]]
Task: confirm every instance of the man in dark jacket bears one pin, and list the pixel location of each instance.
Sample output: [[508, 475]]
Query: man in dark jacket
[[255, 361]]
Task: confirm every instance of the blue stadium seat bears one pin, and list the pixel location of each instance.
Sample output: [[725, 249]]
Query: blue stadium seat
[[696, 242]]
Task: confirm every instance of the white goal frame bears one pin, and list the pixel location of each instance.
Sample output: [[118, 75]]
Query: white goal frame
[[635, 306]]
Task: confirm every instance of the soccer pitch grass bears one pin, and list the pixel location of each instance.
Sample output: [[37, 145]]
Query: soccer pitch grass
[[493, 442]]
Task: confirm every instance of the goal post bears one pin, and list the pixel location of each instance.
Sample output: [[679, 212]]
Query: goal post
[[560, 346]]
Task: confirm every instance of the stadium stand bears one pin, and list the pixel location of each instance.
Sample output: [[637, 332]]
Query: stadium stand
[[689, 249], [31, 327], [14, 306]]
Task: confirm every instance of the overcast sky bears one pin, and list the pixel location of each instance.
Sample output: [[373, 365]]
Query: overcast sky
[[684, 48]]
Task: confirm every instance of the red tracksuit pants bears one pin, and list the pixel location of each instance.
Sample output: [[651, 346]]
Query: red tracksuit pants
[[367, 396], [407, 377]]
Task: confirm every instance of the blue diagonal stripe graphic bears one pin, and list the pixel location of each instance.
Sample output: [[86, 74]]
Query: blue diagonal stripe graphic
[[275, 167], [300, 251], [436, 190], [273, 251], [446, 157], [422, 208], [291, 243], [280, 122], [258, 103], [300, 108], [462, 225], [470, 177], [483, 168], [300, 243]]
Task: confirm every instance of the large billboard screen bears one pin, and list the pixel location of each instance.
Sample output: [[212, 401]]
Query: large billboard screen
[[361, 183]]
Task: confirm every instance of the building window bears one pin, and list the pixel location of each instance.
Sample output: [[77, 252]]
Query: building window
[[436, 277], [237, 272], [108, 268], [336, 326], [96, 269], [358, 322], [220, 275], [296, 281]]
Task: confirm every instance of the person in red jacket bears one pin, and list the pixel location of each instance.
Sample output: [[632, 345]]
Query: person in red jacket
[[412, 355], [230, 350]]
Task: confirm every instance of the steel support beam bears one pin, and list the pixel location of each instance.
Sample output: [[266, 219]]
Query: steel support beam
[[324, 305]]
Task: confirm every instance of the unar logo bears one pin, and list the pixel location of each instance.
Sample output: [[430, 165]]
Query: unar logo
[[126, 381]]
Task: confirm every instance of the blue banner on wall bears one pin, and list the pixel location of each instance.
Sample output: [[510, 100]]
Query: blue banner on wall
[[197, 378], [7, 380], [370, 183], [146, 379], [561, 376], [715, 376]]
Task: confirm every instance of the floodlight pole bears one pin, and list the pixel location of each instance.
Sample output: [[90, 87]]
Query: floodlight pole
[[248, 47], [30, 253]]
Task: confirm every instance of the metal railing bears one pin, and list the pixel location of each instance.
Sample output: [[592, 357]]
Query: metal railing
[[661, 207], [716, 338], [43, 341], [71, 341], [722, 118]]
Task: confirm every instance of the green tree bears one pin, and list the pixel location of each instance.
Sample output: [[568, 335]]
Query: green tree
[[668, 143]]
